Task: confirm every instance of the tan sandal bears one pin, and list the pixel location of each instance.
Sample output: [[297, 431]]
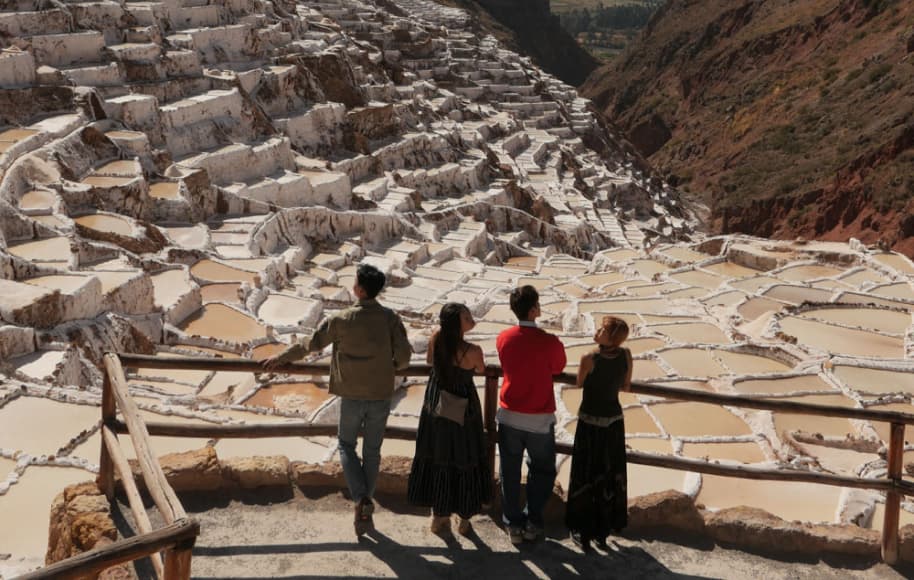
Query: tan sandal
[[464, 527], [440, 525]]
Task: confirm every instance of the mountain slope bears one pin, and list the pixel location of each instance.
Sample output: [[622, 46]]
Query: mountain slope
[[792, 119]]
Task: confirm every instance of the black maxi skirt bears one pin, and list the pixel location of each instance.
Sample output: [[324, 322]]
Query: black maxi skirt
[[450, 472], [597, 494]]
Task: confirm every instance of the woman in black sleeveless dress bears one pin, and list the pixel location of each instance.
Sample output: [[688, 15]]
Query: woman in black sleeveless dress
[[597, 494], [450, 471]]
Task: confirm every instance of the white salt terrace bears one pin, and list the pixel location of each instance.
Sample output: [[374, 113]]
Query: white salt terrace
[[251, 190]]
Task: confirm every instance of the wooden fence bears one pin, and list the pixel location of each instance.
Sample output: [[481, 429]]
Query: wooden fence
[[178, 536]]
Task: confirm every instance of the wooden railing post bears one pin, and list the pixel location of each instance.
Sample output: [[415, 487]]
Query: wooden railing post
[[105, 479], [893, 498], [177, 561], [490, 406]]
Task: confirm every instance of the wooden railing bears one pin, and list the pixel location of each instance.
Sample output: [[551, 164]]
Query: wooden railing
[[893, 485], [180, 532], [178, 536]]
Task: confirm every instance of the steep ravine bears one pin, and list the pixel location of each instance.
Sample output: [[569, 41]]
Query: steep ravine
[[789, 120]]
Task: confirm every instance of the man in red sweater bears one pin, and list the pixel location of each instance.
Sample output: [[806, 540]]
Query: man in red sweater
[[526, 415]]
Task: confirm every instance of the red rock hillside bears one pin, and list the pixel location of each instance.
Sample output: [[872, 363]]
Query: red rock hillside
[[789, 118]]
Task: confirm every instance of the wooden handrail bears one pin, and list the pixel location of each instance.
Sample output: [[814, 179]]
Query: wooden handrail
[[182, 532], [752, 402], [894, 486], [110, 442], [156, 484]]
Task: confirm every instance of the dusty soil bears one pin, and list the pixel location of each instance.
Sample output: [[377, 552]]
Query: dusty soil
[[285, 535]]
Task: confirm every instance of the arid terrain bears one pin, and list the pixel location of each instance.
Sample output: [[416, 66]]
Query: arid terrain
[[788, 119]]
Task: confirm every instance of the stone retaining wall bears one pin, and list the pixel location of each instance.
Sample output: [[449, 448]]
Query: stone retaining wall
[[80, 515]]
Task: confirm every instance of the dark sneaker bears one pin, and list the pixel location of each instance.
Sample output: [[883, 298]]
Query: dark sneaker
[[532, 532], [516, 533], [364, 523]]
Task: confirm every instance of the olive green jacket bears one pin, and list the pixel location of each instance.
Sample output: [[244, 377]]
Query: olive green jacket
[[369, 345]]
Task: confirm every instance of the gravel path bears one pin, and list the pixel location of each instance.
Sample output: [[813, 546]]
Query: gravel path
[[295, 537]]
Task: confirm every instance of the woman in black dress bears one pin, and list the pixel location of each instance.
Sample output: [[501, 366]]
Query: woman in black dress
[[450, 471], [597, 494]]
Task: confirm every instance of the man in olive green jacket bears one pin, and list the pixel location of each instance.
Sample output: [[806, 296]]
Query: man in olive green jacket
[[369, 346]]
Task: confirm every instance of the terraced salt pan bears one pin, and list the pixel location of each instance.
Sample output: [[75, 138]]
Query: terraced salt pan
[[750, 364], [692, 362], [896, 262], [192, 237], [107, 181], [882, 428], [797, 294], [698, 419], [295, 448], [730, 270], [37, 199], [49, 249], [168, 286], [227, 293], [684, 254], [836, 459], [695, 333], [300, 397], [28, 504], [105, 223], [840, 340], [39, 365], [880, 320], [875, 381], [165, 190], [220, 321], [732, 451], [828, 426], [900, 290], [755, 308], [60, 422], [284, 310], [698, 278], [215, 272], [790, 501], [803, 273], [782, 385]]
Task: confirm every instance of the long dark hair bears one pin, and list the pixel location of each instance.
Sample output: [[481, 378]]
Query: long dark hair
[[448, 341]]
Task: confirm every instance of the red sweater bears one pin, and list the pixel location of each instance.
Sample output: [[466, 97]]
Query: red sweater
[[529, 357]]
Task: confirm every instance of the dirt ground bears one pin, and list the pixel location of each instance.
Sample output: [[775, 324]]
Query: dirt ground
[[286, 535]]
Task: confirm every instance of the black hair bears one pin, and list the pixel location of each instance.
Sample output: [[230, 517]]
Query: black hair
[[523, 299], [370, 279], [449, 340]]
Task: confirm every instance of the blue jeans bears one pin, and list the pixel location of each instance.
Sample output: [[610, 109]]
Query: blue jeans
[[540, 449], [371, 417]]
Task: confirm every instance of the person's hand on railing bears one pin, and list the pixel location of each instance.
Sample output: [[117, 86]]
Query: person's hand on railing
[[270, 364]]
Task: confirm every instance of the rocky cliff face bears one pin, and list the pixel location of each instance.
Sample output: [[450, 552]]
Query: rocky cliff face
[[791, 120]]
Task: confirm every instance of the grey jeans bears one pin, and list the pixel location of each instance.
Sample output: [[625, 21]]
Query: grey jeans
[[371, 418]]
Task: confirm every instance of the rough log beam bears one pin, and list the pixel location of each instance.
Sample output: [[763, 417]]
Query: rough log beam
[[893, 498], [156, 483], [768, 404], [94, 561], [109, 441]]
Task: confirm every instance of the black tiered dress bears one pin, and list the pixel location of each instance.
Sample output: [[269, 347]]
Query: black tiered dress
[[450, 471], [597, 494]]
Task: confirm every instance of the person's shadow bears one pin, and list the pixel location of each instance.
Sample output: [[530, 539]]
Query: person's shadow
[[549, 558]]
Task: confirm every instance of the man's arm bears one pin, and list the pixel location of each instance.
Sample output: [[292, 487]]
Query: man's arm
[[322, 337], [400, 342], [558, 357]]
